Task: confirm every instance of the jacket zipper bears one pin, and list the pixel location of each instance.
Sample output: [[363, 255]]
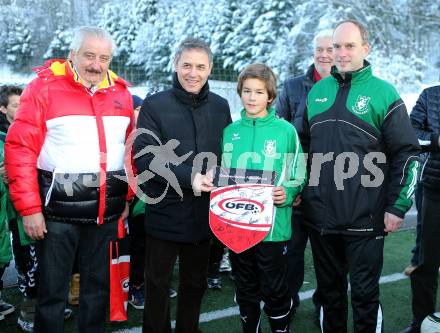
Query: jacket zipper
[[342, 87], [192, 109], [253, 140], [49, 191]]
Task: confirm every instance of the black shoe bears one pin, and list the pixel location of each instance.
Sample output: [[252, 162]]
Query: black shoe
[[6, 308]]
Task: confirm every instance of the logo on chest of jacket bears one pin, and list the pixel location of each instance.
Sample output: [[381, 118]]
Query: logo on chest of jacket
[[117, 105], [321, 100], [235, 136], [361, 105], [270, 148]]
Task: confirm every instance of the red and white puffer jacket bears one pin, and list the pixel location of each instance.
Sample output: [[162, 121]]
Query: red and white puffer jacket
[[64, 153]]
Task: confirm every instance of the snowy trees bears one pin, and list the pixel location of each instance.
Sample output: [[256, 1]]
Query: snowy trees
[[59, 46], [16, 37], [277, 32]]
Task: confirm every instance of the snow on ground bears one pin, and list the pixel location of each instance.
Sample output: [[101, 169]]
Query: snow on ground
[[7, 76]]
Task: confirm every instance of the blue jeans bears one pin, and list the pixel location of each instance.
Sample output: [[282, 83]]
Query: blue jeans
[[56, 255]]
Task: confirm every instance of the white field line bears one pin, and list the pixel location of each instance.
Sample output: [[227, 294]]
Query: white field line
[[233, 310]]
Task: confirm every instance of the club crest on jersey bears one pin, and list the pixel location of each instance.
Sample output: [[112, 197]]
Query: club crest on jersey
[[270, 148], [361, 105]]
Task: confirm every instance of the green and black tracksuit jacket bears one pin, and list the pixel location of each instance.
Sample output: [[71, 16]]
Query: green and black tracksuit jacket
[[363, 155], [268, 143], [271, 144]]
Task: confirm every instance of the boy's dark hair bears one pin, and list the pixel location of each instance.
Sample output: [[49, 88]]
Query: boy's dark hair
[[261, 72], [6, 92]]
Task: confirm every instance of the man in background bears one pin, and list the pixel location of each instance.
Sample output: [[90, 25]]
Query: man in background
[[291, 106], [424, 278]]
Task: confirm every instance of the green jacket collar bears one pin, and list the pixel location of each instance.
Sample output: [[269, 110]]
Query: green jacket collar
[[258, 121], [359, 76]]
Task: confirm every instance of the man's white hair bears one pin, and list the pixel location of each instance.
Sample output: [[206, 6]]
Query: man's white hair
[[82, 33], [327, 33]]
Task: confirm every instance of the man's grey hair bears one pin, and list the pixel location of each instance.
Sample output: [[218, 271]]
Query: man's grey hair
[[80, 34], [327, 33], [191, 43]]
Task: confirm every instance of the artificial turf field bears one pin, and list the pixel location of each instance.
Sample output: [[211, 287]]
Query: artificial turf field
[[395, 299]]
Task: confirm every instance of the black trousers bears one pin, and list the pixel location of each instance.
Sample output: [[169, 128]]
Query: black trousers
[[2, 271], [137, 250], [56, 255], [260, 274], [418, 197], [295, 258], [160, 257], [25, 262], [215, 257], [360, 257], [424, 279]]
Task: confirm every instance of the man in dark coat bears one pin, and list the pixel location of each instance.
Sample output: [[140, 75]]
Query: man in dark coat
[[291, 106], [178, 140], [425, 118]]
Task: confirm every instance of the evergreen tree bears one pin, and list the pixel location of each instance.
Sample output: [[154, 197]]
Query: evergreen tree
[[18, 44], [239, 41]]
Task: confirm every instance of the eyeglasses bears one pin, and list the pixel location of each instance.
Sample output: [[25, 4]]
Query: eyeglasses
[[103, 59]]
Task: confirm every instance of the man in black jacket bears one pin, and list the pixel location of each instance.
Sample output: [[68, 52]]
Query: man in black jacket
[[425, 118], [363, 157], [291, 106], [182, 128]]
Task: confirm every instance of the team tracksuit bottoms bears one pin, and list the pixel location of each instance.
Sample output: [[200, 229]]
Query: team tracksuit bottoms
[[260, 274], [361, 258]]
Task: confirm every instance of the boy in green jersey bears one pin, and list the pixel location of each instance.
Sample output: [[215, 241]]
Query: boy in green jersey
[[270, 144]]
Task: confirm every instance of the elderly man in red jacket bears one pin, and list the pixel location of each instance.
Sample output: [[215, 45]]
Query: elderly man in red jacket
[[65, 159]]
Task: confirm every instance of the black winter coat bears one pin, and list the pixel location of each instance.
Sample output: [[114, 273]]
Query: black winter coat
[[197, 123], [291, 103], [425, 118]]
